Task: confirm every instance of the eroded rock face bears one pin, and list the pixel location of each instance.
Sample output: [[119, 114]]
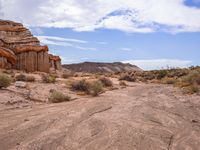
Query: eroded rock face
[[20, 50], [55, 62]]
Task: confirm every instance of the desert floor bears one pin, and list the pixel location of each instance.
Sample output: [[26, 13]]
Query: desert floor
[[141, 116]]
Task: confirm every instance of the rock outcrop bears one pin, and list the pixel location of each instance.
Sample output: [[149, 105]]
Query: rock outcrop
[[19, 49], [93, 67], [55, 62]]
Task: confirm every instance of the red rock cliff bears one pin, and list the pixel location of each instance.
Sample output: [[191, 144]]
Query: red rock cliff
[[20, 49]]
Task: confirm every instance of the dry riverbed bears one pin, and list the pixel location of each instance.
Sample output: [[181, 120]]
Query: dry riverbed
[[140, 117]]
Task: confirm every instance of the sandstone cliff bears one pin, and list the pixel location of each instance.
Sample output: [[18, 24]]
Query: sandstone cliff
[[20, 50]]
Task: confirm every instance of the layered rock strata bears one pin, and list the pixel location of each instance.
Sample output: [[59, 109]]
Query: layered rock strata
[[55, 62], [19, 49]]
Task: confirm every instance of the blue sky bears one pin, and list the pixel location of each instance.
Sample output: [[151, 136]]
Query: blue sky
[[151, 34]]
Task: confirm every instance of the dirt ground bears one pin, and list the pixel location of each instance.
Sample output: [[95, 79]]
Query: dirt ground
[[139, 117]]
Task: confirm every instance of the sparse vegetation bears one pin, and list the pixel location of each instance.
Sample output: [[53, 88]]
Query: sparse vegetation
[[106, 82], [5, 81], [48, 79], [58, 97], [20, 77], [66, 75], [30, 78], [96, 87], [127, 77], [81, 85]]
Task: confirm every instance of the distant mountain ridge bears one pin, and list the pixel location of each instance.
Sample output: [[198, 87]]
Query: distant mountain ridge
[[95, 67]]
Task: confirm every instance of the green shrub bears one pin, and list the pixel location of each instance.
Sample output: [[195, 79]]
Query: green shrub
[[96, 87], [57, 97], [5, 81], [106, 82], [161, 74], [30, 78], [81, 85], [127, 77], [20, 77], [48, 79]]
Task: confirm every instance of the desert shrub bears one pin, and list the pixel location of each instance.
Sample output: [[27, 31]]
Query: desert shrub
[[168, 80], [5, 81], [191, 89], [20, 77], [58, 97], [122, 83], [161, 74], [127, 77], [48, 79], [106, 81], [191, 79], [30, 78], [96, 87], [81, 85]]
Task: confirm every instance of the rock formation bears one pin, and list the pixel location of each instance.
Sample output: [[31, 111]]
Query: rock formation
[[20, 50], [55, 62]]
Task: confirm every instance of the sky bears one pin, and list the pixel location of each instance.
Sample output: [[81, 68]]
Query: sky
[[151, 34]]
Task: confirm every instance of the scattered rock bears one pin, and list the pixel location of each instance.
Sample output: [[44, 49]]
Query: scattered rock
[[20, 84]]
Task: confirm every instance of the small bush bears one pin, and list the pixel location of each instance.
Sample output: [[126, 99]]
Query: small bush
[[127, 77], [96, 87], [30, 78], [48, 79], [161, 74], [5, 81], [167, 80], [106, 82], [191, 89], [81, 85], [57, 97], [20, 77]]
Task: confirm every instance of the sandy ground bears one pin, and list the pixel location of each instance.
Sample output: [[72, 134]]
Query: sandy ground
[[140, 117]]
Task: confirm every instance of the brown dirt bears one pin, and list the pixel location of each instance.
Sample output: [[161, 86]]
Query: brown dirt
[[141, 117]]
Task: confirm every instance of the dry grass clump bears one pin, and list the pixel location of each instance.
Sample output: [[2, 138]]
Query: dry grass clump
[[106, 82], [20, 77], [127, 77], [96, 87], [190, 83], [30, 78], [5, 81], [93, 88], [168, 80], [58, 97], [48, 79], [81, 85]]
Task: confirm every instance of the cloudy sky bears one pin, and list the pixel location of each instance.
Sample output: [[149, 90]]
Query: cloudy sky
[[152, 34]]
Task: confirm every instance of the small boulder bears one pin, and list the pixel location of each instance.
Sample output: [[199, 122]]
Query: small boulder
[[20, 84]]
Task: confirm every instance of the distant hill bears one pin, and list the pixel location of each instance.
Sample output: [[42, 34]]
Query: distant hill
[[95, 67]]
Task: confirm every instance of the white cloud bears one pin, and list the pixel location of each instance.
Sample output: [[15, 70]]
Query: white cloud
[[126, 49], [160, 63], [66, 42], [88, 15]]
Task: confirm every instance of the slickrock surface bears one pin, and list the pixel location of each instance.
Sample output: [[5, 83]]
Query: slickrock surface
[[140, 117], [93, 67], [28, 55]]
